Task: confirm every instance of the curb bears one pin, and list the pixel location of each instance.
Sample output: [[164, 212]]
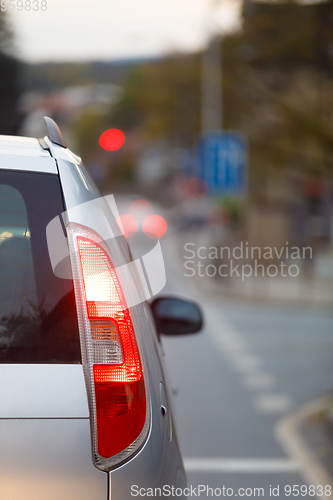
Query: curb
[[288, 435]]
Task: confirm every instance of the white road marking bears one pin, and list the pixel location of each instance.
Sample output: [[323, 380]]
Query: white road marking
[[232, 343], [273, 403], [254, 377], [246, 362], [258, 381], [250, 465]]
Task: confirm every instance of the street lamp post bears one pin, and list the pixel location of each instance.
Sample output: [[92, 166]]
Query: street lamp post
[[211, 114]]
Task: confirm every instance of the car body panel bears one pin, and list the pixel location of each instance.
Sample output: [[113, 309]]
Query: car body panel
[[26, 154], [159, 463], [21, 145], [48, 459], [42, 391]]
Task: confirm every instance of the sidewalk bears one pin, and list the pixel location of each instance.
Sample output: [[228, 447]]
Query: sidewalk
[[316, 289], [296, 290]]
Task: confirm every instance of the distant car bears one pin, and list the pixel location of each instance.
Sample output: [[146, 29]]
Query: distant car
[[84, 406]]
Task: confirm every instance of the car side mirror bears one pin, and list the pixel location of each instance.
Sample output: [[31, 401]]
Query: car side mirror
[[175, 316]]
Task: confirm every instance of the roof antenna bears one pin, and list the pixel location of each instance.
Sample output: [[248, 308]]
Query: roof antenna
[[54, 132]]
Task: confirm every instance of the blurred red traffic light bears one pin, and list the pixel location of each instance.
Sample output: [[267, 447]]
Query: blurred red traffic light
[[112, 139]]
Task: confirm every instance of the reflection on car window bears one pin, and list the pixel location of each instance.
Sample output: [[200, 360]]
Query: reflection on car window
[[38, 320], [18, 290]]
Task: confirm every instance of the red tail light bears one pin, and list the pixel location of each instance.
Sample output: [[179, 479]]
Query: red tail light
[[113, 369]]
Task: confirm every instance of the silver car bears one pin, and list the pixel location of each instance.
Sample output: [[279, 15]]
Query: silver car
[[84, 405]]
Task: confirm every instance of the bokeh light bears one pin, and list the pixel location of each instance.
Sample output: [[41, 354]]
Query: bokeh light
[[112, 139], [128, 225], [154, 226]]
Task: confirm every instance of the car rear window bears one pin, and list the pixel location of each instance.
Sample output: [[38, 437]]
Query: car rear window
[[38, 320]]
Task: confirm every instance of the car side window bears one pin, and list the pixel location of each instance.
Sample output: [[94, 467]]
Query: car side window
[[38, 319]]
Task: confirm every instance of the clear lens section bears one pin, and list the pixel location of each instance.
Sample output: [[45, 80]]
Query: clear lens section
[[104, 330], [106, 342], [106, 352], [97, 272], [119, 406]]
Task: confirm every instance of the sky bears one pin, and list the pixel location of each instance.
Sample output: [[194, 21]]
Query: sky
[[83, 30]]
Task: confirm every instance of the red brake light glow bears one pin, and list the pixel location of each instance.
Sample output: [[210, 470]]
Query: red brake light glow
[[112, 354]]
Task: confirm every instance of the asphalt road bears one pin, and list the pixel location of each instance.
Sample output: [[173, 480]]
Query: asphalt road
[[250, 367]]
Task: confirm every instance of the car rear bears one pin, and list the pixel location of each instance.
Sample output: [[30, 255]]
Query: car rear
[[81, 367]]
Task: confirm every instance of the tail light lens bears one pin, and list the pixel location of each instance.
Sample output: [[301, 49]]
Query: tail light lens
[[117, 396]]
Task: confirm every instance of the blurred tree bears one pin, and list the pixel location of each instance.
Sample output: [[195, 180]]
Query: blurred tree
[[278, 88], [163, 98], [9, 81], [87, 130]]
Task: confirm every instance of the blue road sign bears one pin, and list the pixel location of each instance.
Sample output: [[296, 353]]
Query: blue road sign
[[223, 162]]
